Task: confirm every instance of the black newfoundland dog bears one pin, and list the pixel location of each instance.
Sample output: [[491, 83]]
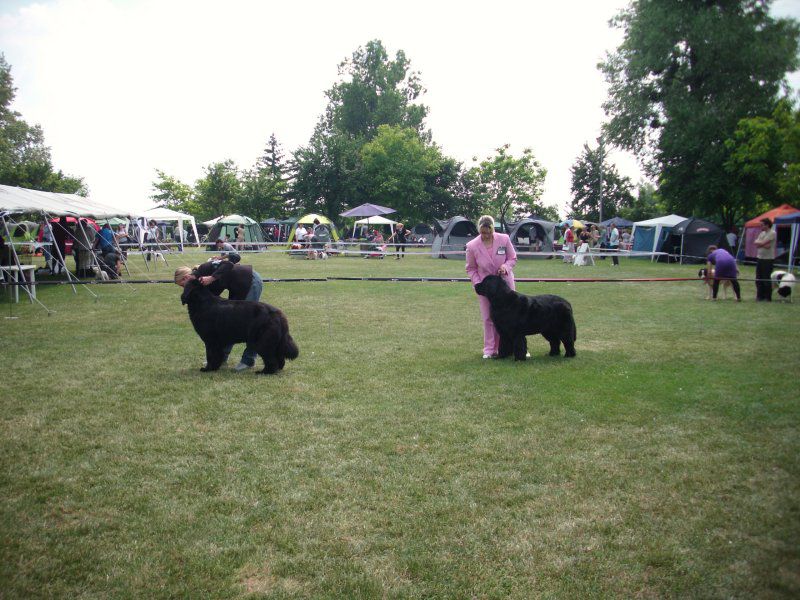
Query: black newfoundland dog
[[220, 323], [516, 315]]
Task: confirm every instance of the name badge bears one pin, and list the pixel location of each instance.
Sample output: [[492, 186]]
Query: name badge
[[501, 251]]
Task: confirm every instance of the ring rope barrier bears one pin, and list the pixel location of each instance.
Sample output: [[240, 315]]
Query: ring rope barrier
[[400, 280]]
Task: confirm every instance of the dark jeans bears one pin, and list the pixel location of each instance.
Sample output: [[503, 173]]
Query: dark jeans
[[734, 283], [400, 249], [763, 283], [615, 258], [249, 356]]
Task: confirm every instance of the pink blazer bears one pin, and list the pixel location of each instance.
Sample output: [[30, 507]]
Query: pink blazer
[[482, 261]]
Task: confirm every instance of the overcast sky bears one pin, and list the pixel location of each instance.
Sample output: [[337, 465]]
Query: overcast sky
[[122, 88]]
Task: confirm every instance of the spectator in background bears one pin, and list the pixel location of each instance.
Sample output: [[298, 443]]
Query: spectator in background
[[224, 248], [626, 240], [240, 237], [47, 241], [401, 236], [613, 245], [105, 240], [61, 233], [152, 237], [300, 234], [732, 239], [313, 235], [765, 257], [595, 241], [82, 246], [569, 244]]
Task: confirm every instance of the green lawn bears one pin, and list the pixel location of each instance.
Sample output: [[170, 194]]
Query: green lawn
[[389, 460]]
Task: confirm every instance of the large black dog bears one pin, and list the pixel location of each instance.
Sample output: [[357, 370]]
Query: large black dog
[[516, 315], [220, 323]]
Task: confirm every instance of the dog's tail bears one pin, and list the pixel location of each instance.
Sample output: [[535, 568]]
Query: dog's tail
[[288, 347]]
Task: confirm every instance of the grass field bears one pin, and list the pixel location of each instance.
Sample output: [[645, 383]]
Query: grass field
[[389, 460]]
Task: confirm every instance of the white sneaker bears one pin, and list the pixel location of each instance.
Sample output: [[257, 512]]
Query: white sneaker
[[242, 367], [487, 356], [527, 355]]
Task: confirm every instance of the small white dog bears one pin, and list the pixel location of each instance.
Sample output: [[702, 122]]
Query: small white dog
[[783, 282]]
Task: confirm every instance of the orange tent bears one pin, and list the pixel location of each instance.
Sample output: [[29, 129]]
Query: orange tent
[[783, 209], [752, 226]]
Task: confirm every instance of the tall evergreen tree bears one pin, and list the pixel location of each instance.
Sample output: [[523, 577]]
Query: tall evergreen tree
[[264, 187], [587, 186]]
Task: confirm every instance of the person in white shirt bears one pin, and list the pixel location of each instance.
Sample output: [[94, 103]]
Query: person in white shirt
[[300, 233], [613, 245], [765, 257], [732, 238]]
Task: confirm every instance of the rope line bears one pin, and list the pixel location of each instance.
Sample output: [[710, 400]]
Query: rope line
[[397, 279]]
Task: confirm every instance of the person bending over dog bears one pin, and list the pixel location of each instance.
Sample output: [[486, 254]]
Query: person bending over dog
[[242, 283], [490, 254], [724, 266]]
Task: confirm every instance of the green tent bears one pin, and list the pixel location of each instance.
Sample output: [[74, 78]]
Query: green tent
[[226, 226]]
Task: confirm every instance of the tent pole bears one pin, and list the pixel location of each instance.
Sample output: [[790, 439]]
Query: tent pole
[[196, 236]]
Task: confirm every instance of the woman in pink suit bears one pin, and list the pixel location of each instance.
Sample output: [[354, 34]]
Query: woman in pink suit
[[490, 254]]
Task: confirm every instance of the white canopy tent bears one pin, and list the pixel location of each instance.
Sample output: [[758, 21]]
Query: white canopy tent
[[213, 221], [659, 227], [166, 214], [15, 200], [376, 220]]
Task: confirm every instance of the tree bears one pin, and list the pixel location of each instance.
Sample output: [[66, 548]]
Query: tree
[[374, 91], [397, 165], [218, 192], [377, 91], [24, 159], [587, 186], [646, 205], [509, 186], [172, 193], [686, 73], [327, 175], [264, 187], [448, 192], [764, 157]]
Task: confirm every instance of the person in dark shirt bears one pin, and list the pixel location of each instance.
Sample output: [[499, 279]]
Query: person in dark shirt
[[242, 283], [400, 235]]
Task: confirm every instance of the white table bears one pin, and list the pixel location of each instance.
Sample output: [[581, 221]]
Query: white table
[[17, 274]]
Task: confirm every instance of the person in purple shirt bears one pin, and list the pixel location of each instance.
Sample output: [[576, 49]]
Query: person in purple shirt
[[724, 268]]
